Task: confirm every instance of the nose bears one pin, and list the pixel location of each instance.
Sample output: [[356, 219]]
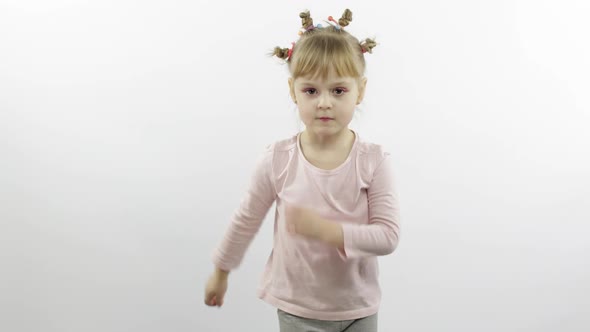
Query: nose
[[324, 101]]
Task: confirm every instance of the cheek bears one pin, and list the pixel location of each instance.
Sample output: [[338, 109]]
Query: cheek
[[305, 112]]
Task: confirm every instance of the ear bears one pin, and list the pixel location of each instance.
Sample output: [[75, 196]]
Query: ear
[[362, 86], [292, 89]]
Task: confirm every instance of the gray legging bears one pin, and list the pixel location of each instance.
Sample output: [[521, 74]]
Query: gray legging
[[292, 323]]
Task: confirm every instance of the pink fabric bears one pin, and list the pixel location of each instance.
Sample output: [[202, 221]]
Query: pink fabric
[[310, 278]]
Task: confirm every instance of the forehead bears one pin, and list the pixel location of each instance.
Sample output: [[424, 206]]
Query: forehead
[[330, 80]]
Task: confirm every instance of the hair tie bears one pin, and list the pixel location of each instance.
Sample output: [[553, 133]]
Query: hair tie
[[290, 51], [309, 28]]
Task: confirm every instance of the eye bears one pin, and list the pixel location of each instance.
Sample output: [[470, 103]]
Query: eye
[[309, 91], [339, 91]]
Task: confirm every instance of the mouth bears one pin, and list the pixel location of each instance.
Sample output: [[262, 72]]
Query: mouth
[[326, 118]]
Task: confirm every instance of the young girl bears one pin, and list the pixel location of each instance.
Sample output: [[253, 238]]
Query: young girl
[[337, 208]]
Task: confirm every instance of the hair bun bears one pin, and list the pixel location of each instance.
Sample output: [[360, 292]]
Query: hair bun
[[346, 18], [367, 45], [306, 20]]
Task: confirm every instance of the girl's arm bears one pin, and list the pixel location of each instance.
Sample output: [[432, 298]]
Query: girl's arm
[[247, 219], [331, 233], [381, 235]]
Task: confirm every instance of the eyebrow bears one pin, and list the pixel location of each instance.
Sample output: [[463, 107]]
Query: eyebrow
[[335, 83]]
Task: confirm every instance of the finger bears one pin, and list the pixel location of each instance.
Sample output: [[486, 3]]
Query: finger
[[210, 298]]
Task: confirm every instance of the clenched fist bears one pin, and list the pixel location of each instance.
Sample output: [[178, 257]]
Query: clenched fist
[[303, 221], [216, 288]]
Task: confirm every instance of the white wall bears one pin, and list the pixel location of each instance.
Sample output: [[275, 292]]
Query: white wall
[[129, 130]]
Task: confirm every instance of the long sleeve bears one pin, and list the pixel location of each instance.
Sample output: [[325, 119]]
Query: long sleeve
[[381, 235], [247, 219]]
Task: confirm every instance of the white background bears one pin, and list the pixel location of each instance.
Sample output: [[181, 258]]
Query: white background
[[129, 131]]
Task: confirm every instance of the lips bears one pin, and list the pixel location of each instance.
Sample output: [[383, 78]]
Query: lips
[[326, 119]]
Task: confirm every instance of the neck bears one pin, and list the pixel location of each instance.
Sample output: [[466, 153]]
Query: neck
[[332, 142]]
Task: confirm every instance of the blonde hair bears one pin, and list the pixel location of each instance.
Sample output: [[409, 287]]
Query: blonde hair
[[321, 49]]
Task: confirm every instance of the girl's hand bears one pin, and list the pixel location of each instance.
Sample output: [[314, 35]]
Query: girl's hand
[[303, 221], [215, 289]]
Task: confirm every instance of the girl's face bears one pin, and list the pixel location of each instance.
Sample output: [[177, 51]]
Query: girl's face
[[334, 98]]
